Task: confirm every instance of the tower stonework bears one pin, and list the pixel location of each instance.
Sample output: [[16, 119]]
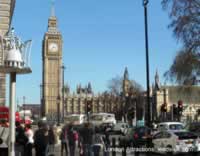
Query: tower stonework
[[6, 12], [51, 63]]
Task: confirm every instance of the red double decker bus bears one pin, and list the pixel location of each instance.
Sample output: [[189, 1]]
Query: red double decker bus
[[4, 114]]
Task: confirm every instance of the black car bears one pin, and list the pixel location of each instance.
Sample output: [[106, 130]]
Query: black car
[[194, 127], [142, 136]]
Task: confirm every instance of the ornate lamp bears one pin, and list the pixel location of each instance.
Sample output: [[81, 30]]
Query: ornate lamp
[[15, 56]]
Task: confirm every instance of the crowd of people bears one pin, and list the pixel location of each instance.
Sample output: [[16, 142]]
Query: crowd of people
[[85, 140], [43, 139]]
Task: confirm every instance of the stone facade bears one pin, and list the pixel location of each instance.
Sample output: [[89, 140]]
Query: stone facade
[[6, 12], [52, 62], [34, 108], [76, 103], [172, 94]]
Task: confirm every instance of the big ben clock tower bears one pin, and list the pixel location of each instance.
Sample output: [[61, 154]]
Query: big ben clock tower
[[51, 64]]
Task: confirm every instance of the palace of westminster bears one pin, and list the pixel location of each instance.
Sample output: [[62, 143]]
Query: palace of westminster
[[52, 92]]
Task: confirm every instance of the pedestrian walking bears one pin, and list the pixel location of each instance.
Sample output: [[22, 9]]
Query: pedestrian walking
[[106, 141], [21, 140], [29, 135], [64, 141], [86, 134], [4, 135], [71, 140], [41, 139], [97, 143], [52, 141]]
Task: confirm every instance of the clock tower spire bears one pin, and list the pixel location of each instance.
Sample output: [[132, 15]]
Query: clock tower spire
[[51, 65]]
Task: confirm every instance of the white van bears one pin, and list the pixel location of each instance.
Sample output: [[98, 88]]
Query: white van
[[100, 118], [75, 119], [171, 126]]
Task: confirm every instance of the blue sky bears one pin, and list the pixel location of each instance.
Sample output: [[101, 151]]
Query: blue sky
[[100, 38]]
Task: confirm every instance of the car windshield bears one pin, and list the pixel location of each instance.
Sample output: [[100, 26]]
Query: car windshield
[[185, 135], [97, 117], [72, 118], [194, 127], [142, 130], [176, 127]]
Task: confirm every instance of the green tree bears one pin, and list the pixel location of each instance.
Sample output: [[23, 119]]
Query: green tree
[[185, 23]]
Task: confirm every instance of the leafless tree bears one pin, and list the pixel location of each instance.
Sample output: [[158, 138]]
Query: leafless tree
[[184, 69], [116, 83], [185, 23]]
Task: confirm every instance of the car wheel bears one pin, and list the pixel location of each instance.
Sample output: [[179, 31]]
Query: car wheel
[[169, 150]]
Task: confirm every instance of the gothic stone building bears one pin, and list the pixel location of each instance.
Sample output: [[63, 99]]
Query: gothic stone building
[[51, 64], [170, 95], [76, 103]]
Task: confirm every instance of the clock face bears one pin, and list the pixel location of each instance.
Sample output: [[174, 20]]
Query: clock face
[[53, 47]]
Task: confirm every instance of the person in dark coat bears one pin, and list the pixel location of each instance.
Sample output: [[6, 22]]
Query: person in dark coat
[[21, 140], [71, 140], [86, 134], [64, 141], [41, 139], [52, 142]]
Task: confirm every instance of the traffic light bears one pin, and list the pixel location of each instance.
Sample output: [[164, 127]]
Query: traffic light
[[89, 106], [180, 109], [131, 113], [198, 111], [174, 110], [180, 106], [164, 107]]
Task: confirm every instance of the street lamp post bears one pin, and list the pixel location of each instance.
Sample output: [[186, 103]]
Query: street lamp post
[[24, 108], [63, 91], [58, 110], [41, 100], [145, 3]]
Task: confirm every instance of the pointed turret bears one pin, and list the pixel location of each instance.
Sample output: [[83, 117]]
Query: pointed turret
[[52, 8], [157, 81], [52, 22], [126, 76], [89, 88], [126, 82]]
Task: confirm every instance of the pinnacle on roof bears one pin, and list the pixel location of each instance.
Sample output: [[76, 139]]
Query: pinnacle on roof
[[126, 76], [52, 8]]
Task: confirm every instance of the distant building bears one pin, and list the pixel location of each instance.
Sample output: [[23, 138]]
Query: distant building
[[34, 108], [6, 13], [76, 102], [172, 94]]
